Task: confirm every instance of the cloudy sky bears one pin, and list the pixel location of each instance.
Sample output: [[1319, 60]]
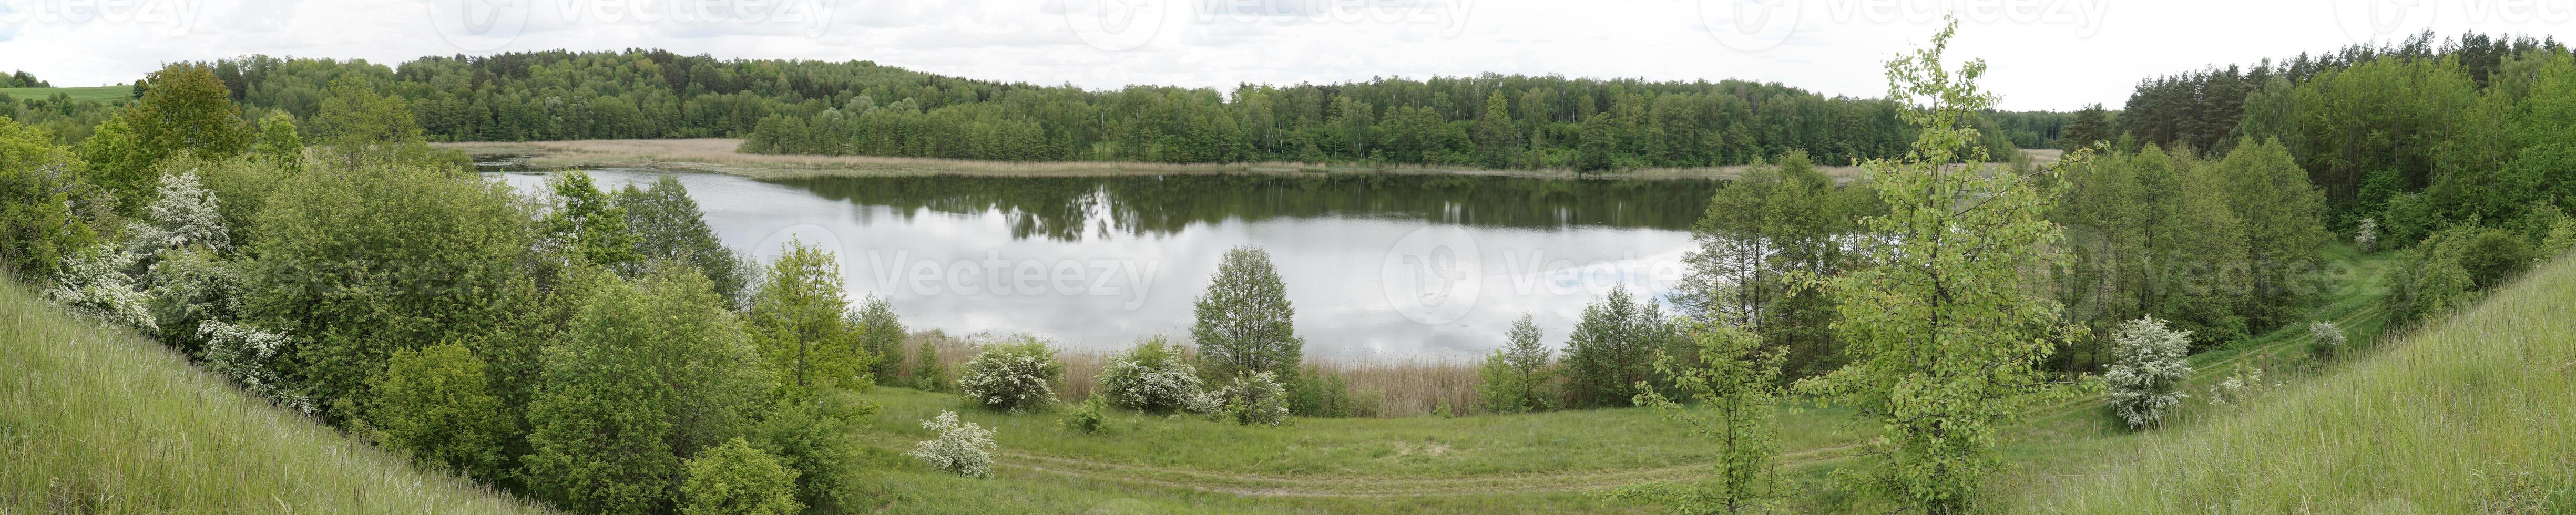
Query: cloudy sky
[[2046, 54]]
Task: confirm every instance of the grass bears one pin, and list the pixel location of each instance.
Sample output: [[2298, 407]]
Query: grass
[[2469, 414], [108, 94], [102, 421], [718, 155]]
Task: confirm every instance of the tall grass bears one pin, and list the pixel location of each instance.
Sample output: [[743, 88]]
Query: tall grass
[[95, 420], [1399, 388], [2475, 413]]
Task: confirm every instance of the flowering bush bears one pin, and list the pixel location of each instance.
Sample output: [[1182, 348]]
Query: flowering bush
[[249, 355], [94, 286], [1152, 378], [2367, 237], [1013, 376], [2325, 338], [1250, 399], [962, 447], [182, 215], [2148, 365]]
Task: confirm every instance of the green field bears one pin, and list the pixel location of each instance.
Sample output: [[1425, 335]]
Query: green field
[[100, 421], [110, 94]]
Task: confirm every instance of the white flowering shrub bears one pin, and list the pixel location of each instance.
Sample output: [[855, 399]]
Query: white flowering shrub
[[2325, 338], [182, 215], [1250, 399], [1152, 378], [2240, 388], [187, 287], [1016, 376], [94, 286], [2367, 236], [2147, 369], [961, 447], [250, 356]]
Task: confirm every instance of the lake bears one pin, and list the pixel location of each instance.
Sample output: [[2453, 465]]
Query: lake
[[1377, 266]]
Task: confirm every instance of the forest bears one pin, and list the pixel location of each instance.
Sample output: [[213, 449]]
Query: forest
[[285, 224]]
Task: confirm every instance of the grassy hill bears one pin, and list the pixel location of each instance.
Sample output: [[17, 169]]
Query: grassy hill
[[101, 421], [109, 94], [2471, 414]]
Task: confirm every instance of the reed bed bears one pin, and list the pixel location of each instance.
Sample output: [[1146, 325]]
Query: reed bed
[[1384, 388]]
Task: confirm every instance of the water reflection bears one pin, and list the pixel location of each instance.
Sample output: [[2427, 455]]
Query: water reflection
[[1378, 266]]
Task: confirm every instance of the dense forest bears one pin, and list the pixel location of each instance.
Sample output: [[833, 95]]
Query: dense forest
[[20, 79]]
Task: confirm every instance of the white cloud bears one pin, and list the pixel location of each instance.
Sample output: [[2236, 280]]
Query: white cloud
[[2046, 54]]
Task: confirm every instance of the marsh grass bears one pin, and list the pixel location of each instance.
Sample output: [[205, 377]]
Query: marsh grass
[[94, 420]]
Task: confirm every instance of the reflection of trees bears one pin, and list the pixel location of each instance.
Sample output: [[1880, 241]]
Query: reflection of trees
[[1071, 208]]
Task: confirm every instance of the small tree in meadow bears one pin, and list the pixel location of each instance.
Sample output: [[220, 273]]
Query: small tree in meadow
[[1244, 319], [1154, 377], [1735, 386], [961, 447], [926, 372], [2147, 368], [1512, 374], [1015, 376]]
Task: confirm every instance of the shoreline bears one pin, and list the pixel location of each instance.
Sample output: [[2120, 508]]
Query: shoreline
[[717, 155]]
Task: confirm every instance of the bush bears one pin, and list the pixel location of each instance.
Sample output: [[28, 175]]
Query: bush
[[251, 356], [1253, 398], [2325, 338], [1513, 373], [962, 447], [94, 287], [1015, 376], [1154, 377], [926, 373], [1087, 417], [1319, 394], [736, 479], [2147, 369], [814, 436], [434, 405], [2367, 236]]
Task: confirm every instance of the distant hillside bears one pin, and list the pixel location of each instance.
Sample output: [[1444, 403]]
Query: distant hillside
[[2475, 414], [101, 421]]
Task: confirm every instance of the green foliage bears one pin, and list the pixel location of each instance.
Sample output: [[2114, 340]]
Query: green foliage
[[2284, 220], [369, 260], [358, 124], [1946, 330], [1317, 393], [648, 373], [435, 405], [736, 479], [927, 375], [1773, 222], [1244, 320], [278, 143], [1512, 375], [879, 333], [796, 320], [586, 224], [187, 111], [1613, 349], [2326, 339], [1017, 375], [46, 208], [1735, 385], [667, 225], [2091, 128], [1086, 418], [818, 438]]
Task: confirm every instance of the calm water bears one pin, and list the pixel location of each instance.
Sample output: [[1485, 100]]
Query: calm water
[[1378, 267]]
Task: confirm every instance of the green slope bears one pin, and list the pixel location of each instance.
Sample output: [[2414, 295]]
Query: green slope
[[101, 421], [109, 94], [2472, 414]]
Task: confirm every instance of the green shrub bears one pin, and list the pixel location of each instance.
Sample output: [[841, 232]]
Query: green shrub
[[736, 479], [1153, 377], [815, 436], [434, 405], [1086, 418], [1253, 398]]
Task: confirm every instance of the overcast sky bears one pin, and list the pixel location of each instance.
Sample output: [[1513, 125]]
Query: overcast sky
[[2046, 54]]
